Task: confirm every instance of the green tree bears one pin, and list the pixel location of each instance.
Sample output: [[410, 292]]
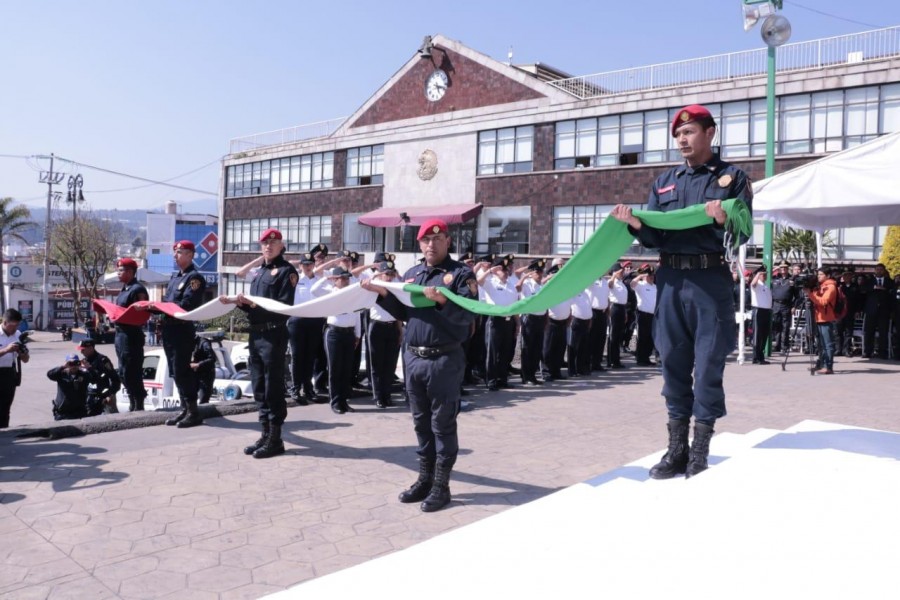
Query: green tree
[[890, 251], [799, 245], [14, 220]]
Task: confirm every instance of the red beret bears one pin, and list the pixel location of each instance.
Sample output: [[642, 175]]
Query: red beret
[[747, 272], [431, 226], [128, 263], [270, 234], [184, 245], [689, 114]]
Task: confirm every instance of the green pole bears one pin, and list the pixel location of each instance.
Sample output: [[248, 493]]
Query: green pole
[[770, 167]]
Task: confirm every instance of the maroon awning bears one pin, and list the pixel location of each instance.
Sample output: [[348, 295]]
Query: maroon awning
[[451, 213]]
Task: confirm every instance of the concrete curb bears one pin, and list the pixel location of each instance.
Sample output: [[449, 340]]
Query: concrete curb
[[55, 430]]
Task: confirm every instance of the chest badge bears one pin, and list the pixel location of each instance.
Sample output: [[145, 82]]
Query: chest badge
[[725, 180], [274, 272], [448, 278], [180, 286]]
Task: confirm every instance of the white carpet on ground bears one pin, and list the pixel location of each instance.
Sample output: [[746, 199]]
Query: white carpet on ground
[[810, 512]]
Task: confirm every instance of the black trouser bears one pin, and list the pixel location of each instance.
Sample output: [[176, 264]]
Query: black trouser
[[578, 352], [433, 386], [597, 337], [267, 351], [178, 343], [532, 344], [476, 356], [876, 320], [320, 363], [130, 352], [645, 336], [305, 337], [383, 352], [339, 343], [358, 350], [781, 325], [554, 349], [205, 385], [762, 324], [843, 335], [7, 393], [617, 318], [499, 337]]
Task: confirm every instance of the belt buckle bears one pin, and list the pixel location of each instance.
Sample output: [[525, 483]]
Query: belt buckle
[[704, 261], [684, 262]]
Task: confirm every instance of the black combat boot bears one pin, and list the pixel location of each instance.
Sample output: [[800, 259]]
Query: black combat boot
[[699, 449], [439, 496], [176, 419], [273, 446], [674, 461], [419, 490], [249, 450], [139, 404], [193, 417]]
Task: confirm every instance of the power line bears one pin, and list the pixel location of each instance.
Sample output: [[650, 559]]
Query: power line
[[163, 182], [825, 14], [150, 181]]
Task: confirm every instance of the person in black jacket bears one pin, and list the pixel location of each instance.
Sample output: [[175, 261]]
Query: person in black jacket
[[104, 383], [72, 379], [203, 363], [879, 300]]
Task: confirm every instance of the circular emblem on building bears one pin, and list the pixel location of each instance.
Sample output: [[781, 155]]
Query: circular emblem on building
[[15, 272], [427, 165]]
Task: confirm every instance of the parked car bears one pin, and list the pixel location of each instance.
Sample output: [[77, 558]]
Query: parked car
[[229, 385]]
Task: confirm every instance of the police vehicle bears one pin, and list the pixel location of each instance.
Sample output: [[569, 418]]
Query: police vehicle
[[160, 386]]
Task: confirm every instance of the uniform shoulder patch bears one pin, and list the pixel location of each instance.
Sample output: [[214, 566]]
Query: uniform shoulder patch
[[294, 278], [725, 180], [473, 287], [196, 283]]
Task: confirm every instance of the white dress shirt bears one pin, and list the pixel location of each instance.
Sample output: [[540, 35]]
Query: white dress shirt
[[645, 292], [581, 306], [599, 293]]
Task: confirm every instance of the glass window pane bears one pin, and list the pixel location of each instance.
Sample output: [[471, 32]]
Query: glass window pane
[[632, 129], [506, 146], [565, 139], [524, 143]]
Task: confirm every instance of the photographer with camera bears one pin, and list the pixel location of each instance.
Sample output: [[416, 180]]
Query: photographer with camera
[[72, 379], [823, 297], [13, 352]]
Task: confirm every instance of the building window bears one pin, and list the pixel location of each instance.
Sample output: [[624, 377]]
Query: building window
[[361, 238], [508, 150], [365, 165], [300, 233], [573, 225], [503, 230], [291, 174]]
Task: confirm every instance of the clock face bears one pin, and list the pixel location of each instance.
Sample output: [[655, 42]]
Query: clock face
[[436, 85]]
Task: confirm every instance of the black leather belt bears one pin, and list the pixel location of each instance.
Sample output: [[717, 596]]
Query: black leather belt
[[559, 321], [502, 318], [431, 351], [341, 328], [686, 262], [268, 326]]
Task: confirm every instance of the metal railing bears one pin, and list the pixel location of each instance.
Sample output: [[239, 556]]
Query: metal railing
[[815, 54], [290, 135]]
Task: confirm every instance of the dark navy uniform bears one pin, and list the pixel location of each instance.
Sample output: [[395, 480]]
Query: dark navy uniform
[[269, 338], [695, 329], [433, 358], [130, 347], [104, 383], [186, 290], [205, 358], [783, 296]]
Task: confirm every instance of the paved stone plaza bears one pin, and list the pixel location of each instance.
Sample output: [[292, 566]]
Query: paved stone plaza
[[157, 512]]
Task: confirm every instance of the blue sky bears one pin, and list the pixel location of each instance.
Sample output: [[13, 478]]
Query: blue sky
[[157, 88]]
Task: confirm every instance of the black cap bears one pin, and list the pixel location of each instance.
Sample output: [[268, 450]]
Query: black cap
[[386, 266], [339, 272], [537, 265], [352, 255], [383, 256], [307, 259], [87, 342], [500, 261], [319, 249], [488, 258], [552, 269], [465, 256]]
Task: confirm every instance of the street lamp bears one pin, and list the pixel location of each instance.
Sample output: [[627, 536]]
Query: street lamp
[[75, 195], [775, 31]]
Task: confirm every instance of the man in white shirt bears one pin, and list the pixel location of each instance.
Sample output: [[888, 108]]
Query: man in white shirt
[[578, 351], [644, 286], [618, 299], [554, 349], [599, 294], [342, 334], [305, 335], [500, 332], [384, 342], [532, 323], [12, 354], [761, 300]]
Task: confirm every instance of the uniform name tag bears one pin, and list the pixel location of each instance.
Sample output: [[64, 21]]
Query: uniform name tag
[[668, 188]]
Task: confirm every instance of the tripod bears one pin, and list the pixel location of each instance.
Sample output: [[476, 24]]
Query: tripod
[[806, 314]]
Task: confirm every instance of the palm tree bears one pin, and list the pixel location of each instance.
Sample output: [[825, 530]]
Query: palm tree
[[799, 245], [13, 221]]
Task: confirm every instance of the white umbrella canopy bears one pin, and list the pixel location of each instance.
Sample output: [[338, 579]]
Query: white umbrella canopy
[[143, 275], [857, 187]]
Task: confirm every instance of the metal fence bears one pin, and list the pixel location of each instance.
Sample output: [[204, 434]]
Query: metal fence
[[285, 136], [815, 54]]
